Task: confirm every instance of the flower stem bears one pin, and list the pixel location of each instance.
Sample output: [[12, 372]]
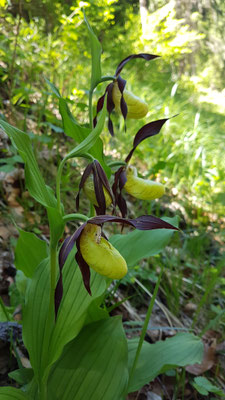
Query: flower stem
[[75, 217], [145, 326]]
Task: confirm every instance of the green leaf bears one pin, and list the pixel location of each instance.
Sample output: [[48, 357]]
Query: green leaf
[[93, 366], [79, 133], [37, 322], [34, 180], [56, 224], [10, 393], [29, 252], [91, 139], [96, 51], [204, 386], [180, 350], [43, 338], [137, 245], [22, 376], [53, 87], [70, 125]]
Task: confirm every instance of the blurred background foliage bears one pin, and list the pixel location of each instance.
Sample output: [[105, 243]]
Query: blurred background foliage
[[49, 39]]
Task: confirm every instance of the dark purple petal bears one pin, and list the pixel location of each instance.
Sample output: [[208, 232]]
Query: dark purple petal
[[66, 248], [149, 222], [122, 205], [100, 103], [58, 294], [123, 105], [145, 222], [99, 193], [110, 127], [85, 271], [145, 56], [119, 182], [116, 182], [104, 179], [84, 177], [110, 104], [122, 179], [68, 245], [150, 129]]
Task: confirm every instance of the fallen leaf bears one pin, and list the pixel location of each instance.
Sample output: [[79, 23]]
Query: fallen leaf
[[208, 358]]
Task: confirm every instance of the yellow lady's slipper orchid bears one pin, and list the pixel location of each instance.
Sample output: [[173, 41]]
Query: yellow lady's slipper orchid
[[136, 107], [143, 189], [89, 191], [100, 255]]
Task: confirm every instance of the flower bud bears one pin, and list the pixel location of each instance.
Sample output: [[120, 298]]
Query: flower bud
[[89, 191], [136, 107], [100, 255], [143, 189]]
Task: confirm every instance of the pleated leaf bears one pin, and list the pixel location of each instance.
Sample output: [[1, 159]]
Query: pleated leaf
[[37, 323], [93, 366], [34, 180], [10, 393], [29, 252], [136, 245], [178, 351], [43, 338]]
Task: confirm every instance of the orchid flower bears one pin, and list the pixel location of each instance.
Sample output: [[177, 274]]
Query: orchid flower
[[120, 99], [95, 252]]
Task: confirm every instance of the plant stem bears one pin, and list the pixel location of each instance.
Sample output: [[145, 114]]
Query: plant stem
[[58, 182], [145, 326], [90, 108]]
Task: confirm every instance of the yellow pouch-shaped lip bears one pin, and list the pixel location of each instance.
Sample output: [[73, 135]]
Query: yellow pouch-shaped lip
[[89, 191], [136, 107], [100, 255], [143, 189]]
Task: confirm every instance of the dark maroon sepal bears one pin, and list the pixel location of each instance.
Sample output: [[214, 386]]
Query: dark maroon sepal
[[143, 223], [58, 294], [145, 56], [110, 106], [85, 271], [65, 250], [119, 182], [150, 129], [100, 181], [104, 179], [123, 105]]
